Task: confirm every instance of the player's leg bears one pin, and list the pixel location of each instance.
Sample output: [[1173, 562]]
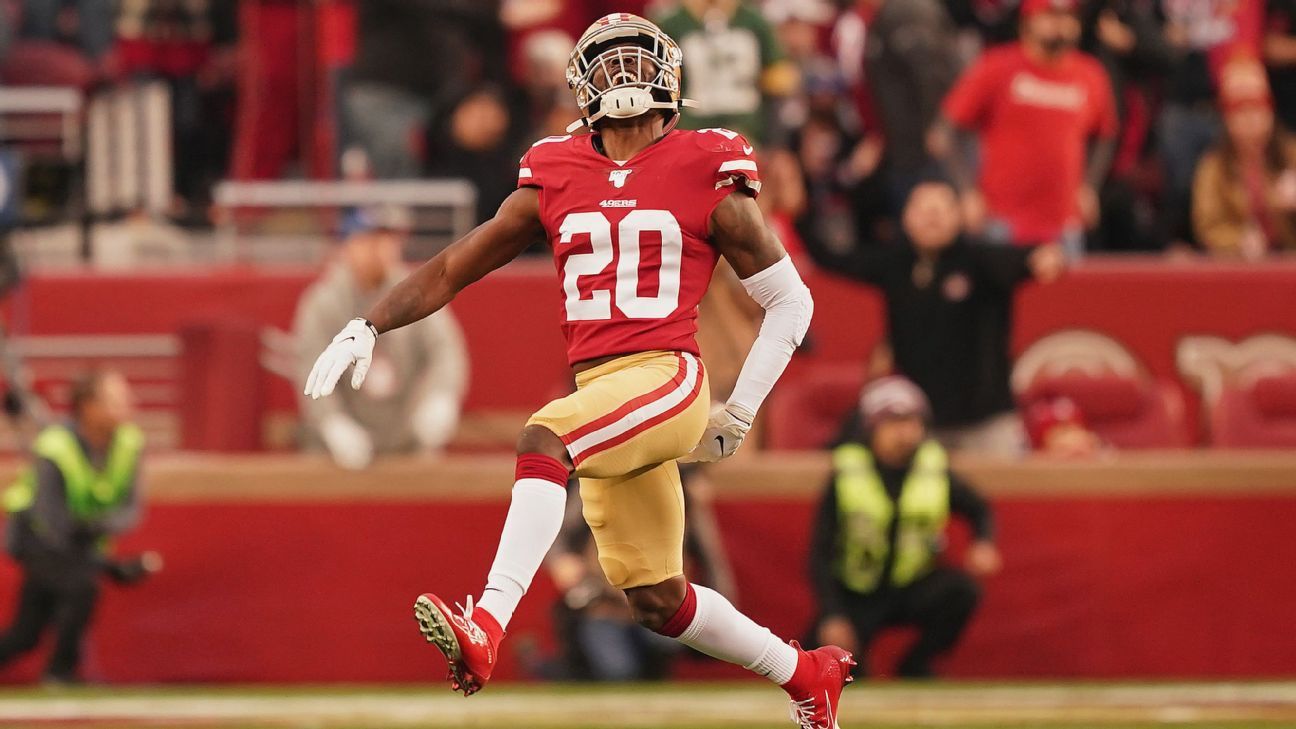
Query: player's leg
[[638, 525], [613, 402], [534, 519], [470, 637]]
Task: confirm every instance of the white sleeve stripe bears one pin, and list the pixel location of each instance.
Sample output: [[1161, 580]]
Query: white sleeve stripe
[[524, 172], [738, 164]]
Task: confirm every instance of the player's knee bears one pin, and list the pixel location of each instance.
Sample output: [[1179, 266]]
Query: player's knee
[[653, 606], [537, 439]]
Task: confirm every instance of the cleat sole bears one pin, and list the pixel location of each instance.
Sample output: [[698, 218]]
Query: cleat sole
[[435, 627]]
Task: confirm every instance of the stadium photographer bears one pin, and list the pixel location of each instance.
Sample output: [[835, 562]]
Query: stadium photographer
[[80, 492], [879, 534]]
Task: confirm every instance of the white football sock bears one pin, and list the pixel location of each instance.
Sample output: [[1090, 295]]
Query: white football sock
[[535, 515], [720, 631]]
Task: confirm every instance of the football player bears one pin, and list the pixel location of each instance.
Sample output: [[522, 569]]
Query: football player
[[637, 214]]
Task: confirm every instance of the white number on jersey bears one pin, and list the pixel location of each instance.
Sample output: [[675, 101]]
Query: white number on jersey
[[629, 230]]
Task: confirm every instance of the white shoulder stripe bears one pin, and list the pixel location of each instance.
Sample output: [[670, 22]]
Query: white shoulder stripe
[[524, 172], [551, 140], [738, 164]]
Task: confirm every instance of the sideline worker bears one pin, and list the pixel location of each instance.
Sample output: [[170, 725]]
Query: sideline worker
[[80, 492], [880, 531]]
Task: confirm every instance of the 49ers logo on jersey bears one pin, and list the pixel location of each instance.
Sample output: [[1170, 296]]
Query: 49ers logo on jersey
[[618, 177], [474, 633]]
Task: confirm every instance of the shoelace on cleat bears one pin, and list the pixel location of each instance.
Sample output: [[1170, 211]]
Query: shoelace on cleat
[[466, 611], [803, 713]]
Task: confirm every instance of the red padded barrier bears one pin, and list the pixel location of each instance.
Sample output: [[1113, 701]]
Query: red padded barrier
[[510, 318], [220, 378], [1093, 587]]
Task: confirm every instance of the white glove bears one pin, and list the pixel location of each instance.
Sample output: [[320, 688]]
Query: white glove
[[434, 420], [353, 345], [347, 441], [725, 431]]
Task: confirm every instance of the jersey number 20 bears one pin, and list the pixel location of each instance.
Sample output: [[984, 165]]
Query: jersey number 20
[[628, 300]]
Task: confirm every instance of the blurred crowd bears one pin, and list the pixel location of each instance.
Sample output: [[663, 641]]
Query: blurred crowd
[[1102, 125]]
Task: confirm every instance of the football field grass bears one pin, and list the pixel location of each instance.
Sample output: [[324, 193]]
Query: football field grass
[[1260, 705]]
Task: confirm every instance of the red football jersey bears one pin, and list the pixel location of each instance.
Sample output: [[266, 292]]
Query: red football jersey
[[631, 241]]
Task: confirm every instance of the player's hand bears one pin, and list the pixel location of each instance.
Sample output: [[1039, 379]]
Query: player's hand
[[353, 345], [724, 433], [983, 559], [837, 630]]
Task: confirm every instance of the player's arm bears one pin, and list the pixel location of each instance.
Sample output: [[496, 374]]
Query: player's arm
[[490, 245], [768, 275]]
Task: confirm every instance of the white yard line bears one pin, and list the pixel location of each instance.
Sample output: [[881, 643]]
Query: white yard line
[[726, 706]]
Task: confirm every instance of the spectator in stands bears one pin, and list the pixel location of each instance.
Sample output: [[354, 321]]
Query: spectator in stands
[[878, 536], [911, 61], [1127, 37], [1244, 194], [598, 638], [479, 141], [416, 60], [550, 105], [1280, 56], [421, 372], [1203, 33], [93, 22], [81, 491], [193, 48], [1036, 106], [6, 33], [733, 60], [839, 160], [949, 314], [1057, 428]]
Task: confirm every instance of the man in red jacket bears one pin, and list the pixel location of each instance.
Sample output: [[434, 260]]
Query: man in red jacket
[[1035, 106]]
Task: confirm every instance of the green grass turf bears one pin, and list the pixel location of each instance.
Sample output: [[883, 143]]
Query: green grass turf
[[750, 705]]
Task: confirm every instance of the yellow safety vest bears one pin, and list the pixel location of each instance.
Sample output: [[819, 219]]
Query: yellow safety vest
[[90, 491], [865, 511]]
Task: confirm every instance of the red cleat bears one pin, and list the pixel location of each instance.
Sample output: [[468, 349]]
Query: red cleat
[[468, 642], [816, 687]]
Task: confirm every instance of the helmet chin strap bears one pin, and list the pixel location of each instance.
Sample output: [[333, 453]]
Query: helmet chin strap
[[626, 103]]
